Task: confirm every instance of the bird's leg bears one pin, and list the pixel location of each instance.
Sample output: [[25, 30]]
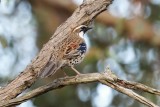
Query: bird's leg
[[77, 72], [64, 72]]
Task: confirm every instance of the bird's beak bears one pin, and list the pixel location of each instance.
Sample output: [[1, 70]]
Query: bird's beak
[[89, 28]]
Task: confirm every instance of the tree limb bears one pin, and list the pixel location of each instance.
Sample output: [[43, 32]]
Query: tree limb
[[106, 78]]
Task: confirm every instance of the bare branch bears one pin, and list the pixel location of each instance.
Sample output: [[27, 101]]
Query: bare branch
[[137, 86], [129, 93], [107, 78]]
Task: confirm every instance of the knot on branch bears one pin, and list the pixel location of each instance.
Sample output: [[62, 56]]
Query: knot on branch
[[110, 75]]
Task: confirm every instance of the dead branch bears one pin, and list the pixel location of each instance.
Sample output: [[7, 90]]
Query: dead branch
[[130, 93], [106, 78], [137, 86]]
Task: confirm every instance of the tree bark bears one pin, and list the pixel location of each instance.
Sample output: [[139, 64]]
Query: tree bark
[[84, 14]]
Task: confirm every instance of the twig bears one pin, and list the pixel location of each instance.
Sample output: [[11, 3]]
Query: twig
[[132, 85], [137, 86], [129, 93]]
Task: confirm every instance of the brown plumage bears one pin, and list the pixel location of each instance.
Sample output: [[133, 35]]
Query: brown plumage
[[71, 52]]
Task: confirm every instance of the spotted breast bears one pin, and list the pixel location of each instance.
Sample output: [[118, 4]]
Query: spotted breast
[[79, 56]]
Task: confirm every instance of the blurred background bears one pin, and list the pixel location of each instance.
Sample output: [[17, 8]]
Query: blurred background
[[126, 37]]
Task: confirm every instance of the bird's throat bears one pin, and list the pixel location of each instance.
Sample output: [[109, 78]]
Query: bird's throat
[[81, 34]]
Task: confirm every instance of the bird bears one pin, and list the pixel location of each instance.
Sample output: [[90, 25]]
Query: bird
[[71, 52]]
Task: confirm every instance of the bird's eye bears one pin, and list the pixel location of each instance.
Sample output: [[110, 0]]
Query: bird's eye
[[84, 29]]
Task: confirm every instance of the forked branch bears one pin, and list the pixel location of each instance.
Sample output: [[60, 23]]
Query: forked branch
[[106, 78]]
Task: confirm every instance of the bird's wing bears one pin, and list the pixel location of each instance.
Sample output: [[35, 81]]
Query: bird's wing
[[74, 49], [51, 68], [71, 50]]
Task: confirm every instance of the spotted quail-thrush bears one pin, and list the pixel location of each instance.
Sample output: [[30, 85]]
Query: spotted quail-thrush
[[73, 51]]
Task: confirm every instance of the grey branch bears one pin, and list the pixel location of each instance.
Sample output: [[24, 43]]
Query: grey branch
[[107, 78], [137, 86]]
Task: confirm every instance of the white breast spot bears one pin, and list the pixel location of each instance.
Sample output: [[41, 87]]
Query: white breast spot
[[81, 34]]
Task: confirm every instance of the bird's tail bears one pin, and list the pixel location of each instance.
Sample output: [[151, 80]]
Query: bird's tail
[[50, 69]]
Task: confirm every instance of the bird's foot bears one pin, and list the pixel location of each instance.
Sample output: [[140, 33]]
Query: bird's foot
[[76, 71]]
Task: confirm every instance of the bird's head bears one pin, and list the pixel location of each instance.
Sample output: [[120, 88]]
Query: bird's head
[[81, 30]]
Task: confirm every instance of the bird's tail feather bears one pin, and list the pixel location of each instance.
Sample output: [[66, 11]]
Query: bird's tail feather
[[50, 69]]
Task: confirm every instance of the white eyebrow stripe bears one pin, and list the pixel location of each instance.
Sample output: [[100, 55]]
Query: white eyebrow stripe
[[79, 27]]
